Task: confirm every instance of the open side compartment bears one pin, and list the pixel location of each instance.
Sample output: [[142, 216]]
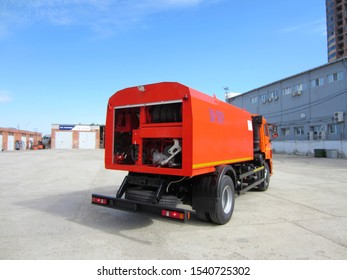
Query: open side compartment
[[149, 135], [126, 121]]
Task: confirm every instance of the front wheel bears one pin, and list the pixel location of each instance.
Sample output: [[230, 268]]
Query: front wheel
[[225, 203], [266, 173]]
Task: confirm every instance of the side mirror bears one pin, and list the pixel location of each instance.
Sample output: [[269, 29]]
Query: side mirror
[[274, 133]]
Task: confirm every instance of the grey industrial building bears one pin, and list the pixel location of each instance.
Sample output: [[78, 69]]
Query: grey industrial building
[[336, 18], [309, 109]]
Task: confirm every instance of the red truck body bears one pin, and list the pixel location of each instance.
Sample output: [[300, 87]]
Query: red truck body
[[172, 139]]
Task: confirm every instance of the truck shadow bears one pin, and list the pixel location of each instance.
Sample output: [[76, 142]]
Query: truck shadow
[[76, 207]]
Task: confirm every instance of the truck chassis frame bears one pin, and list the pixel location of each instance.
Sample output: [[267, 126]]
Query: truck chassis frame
[[173, 212]]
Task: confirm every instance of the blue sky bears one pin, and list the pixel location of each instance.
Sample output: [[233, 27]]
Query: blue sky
[[61, 60]]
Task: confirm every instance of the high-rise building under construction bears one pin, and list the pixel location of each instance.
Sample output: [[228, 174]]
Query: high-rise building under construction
[[336, 14]]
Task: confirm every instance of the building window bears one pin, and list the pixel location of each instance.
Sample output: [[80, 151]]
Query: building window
[[317, 132], [285, 131], [332, 56], [335, 77], [332, 128], [298, 89], [276, 94], [317, 82], [331, 41], [254, 100], [273, 95], [287, 90], [316, 128], [299, 130], [263, 97], [332, 48]]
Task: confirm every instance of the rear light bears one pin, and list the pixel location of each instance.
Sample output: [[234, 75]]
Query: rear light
[[99, 200], [174, 214]]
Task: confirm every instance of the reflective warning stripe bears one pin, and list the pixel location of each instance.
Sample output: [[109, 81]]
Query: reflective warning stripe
[[216, 163]]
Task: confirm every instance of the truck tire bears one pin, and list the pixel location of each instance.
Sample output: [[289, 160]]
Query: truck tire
[[204, 216], [225, 203], [265, 185], [149, 197]]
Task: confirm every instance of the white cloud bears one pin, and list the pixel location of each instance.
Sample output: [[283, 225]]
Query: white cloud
[[316, 27], [94, 14], [5, 96]]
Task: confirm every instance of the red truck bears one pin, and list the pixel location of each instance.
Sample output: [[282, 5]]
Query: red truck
[[182, 147]]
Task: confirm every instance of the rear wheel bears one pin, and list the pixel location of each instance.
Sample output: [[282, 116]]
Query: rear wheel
[[225, 203], [204, 216]]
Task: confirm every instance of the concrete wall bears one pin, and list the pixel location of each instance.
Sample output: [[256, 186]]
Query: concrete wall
[[308, 147]]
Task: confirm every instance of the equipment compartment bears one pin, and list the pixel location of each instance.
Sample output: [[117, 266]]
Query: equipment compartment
[[126, 120], [149, 135]]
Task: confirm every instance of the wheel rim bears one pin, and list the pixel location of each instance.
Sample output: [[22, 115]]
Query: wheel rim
[[227, 199], [266, 176]]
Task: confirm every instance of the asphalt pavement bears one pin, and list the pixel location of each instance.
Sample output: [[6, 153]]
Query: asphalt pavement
[[45, 214]]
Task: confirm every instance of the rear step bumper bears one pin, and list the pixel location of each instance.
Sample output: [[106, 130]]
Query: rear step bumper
[[133, 206]]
